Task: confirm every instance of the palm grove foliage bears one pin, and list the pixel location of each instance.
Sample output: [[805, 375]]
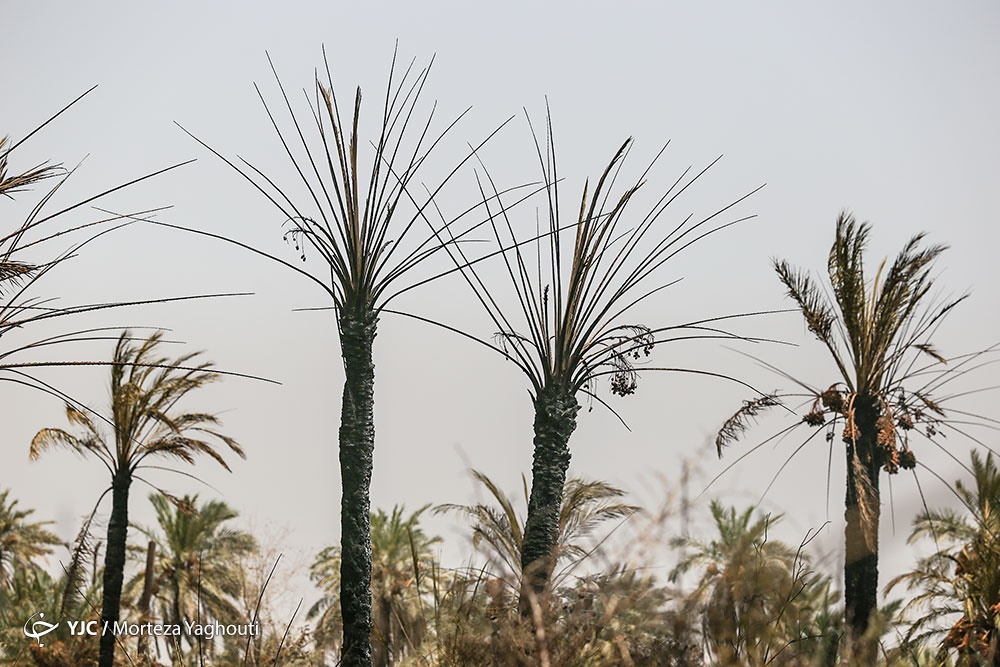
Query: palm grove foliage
[[145, 389], [876, 331], [195, 578], [962, 576], [760, 601], [386, 598], [402, 565], [21, 541], [571, 327]]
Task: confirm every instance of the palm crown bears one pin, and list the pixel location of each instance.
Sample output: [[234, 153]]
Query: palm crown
[[145, 388]]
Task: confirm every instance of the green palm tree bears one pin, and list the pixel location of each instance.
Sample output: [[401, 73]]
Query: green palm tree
[[962, 576], [499, 528], [195, 574], [402, 567], [875, 332], [574, 299], [757, 595], [362, 219], [144, 391], [21, 541]]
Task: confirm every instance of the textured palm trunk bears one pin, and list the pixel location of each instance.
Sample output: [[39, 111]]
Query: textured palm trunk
[[382, 645], [114, 563], [357, 443], [862, 520], [555, 420]]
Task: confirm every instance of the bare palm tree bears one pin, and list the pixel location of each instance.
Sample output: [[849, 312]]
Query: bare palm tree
[[876, 332], [362, 220], [144, 391], [27, 257], [571, 327]]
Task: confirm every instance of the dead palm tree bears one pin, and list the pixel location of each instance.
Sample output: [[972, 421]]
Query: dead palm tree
[[362, 220], [573, 302], [145, 389], [876, 332]]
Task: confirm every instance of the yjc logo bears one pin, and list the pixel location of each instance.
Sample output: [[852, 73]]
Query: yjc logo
[[38, 628]]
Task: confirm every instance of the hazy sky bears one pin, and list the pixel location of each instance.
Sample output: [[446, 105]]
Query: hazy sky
[[889, 110]]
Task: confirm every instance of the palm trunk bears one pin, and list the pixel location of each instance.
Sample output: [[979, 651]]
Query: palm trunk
[[555, 420], [357, 443], [114, 563], [862, 509], [382, 649], [145, 599]]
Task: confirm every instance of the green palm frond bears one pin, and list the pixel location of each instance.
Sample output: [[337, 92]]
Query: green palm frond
[[498, 527], [813, 304], [22, 541], [197, 575], [145, 388], [962, 575]]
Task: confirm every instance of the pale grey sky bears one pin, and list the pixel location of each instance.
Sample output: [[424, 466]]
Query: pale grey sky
[[889, 110]]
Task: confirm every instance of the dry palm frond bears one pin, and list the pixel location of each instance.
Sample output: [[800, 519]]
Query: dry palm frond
[[811, 301], [734, 427], [76, 573], [931, 351], [867, 502], [12, 272], [11, 183]]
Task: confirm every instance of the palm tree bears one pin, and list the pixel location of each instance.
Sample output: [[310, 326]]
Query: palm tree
[[963, 575], [573, 301], [354, 218], [21, 542], [195, 574], [499, 528], [874, 331], [402, 564], [757, 595], [144, 391]]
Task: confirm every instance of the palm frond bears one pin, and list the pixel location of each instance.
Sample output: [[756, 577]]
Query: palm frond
[[736, 425]]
